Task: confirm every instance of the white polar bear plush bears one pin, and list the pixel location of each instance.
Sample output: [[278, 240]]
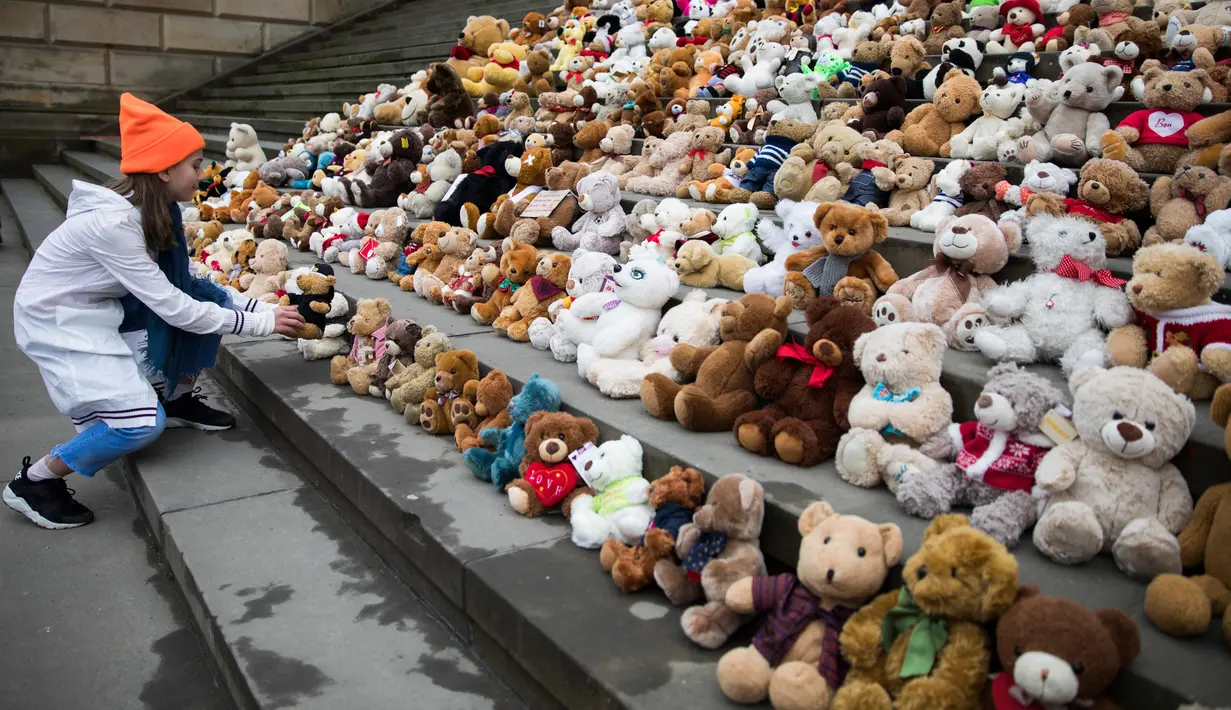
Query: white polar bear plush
[[1052, 316], [441, 173], [1113, 489], [244, 148], [794, 98], [734, 229], [797, 232], [981, 139], [693, 321], [590, 273], [946, 190], [627, 316], [619, 509], [758, 74], [858, 28], [1213, 236], [630, 44]]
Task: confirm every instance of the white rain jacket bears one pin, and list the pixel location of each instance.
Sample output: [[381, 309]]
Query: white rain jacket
[[67, 313]]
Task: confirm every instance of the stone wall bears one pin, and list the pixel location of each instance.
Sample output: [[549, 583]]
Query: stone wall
[[64, 63]]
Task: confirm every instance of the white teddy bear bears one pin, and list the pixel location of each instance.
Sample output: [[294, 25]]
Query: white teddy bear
[[797, 232], [858, 28], [693, 321], [758, 74], [244, 151], [946, 190], [734, 229], [666, 226], [630, 44], [1038, 177], [590, 272], [794, 98], [601, 225], [627, 317], [1113, 489], [619, 509], [441, 173], [1213, 236], [981, 139], [1062, 310]]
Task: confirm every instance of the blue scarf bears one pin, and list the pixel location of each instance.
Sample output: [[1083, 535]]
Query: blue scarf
[[171, 352], [882, 393]]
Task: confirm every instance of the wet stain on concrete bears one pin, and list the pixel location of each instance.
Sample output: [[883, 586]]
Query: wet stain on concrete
[[182, 679], [266, 599], [445, 671], [648, 611], [282, 681], [224, 587]]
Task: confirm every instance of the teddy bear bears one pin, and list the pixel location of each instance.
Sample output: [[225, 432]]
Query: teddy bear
[[994, 457], [693, 321], [1107, 190], [734, 228], [967, 251], [1022, 27], [430, 188], [721, 387], [1060, 311], [946, 24], [900, 416], [959, 580], [979, 191], [928, 128], [1181, 201], [822, 167], [485, 407], [673, 497], [668, 163], [700, 266], [449, 105], [590, 272], [440, 266], [600, 228], [1213, 236], [719, 547], [794, 98], [844, 265], [1179, 332], [809, 386], [982, 138], [517, 266], [527, 304], [548, 479], [795, 233], [243, 148], [477, 36], [911, 189], [640, 289], [473, 193], [314, 303], [498, 457], [758, 185], [1113, 489], [661, 227], [535, 230], [367, 328], [871, 184], [882, 107], [530, 171], [1037, 178], [619, 506], [405, 389], [795, 659], [401, 337], [1153, 139], [1056, 653], [1070, 112], [267, 262], [721, 179]]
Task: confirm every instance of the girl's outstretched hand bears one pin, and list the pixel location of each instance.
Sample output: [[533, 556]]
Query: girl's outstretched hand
[[287, 320]]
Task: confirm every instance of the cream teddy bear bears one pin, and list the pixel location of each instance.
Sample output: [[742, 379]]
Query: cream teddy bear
[[619, 509], [590, 272]]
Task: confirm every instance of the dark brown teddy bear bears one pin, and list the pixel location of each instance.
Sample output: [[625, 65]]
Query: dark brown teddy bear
[[487, 409], [548, 479], [979, 191], [884, 107], [450, 105], [402, 155], [673, 497], [401, 337], [722, 389], [811, 387], [1055, 653]]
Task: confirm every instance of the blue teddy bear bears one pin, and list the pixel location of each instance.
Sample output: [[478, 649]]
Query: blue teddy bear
[[501, 466]]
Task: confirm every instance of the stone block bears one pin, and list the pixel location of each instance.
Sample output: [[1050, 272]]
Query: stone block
[[53, 64], [327, 11], [284, 10], [276, 34], [202, 6], [89, 25], [211, 34], [164, 71], [23, 20]]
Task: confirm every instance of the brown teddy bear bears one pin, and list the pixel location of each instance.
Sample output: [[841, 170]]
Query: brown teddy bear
[[366, 327], [959, 580], [928, 128], [722, 388], [1180, 335], [699, 266], [1154, 139], [911, 192], [1108, 189], [1182, 201], [401, 337], [822, 165], [405, 389], [449, 105], [455, 371], [720, 179], [673, 497], [563, 177], [539, 77], [706, 151], [454, 246], [857, 274], [589, 140], [717, 549], [906, 59], [489, 410], [810, 388], [1056, 653], [946, 24], [543, 289], [531, 173], [428, 233], [979, 191], [517, 265], [548, 479], [794, 660]]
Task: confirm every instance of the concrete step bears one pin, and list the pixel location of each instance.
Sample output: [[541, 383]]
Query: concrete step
[[37, 214], [97, 166], [1168, 670], [350, 89], [391, 72], [295, 608], [57, 180], [264, 107], [272, 130], [451, 18], [422, 48]]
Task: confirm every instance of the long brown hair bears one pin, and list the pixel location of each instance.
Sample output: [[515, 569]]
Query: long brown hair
[[149, 193]]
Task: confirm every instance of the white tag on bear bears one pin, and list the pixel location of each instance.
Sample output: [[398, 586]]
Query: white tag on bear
[[1165, 124], [1057, 427], [543, 203], [582, 458]]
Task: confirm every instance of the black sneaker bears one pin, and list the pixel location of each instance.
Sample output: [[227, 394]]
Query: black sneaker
[[48, 504], [190, 410]]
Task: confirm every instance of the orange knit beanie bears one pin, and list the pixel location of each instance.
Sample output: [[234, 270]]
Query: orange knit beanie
[[152, 141]]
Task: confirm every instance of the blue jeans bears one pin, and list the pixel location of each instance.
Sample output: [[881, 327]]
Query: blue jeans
[[91, 450]]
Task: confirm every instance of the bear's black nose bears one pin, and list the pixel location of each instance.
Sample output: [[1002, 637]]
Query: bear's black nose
[[838, 240], [923, 571], [616, 268], [829, 576]]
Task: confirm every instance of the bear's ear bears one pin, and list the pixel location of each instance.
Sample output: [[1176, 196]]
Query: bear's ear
[[783, 306], [860, 343], [880, 226], [1123, 632], [1082, 375], [891, 538], [944, 223], [821, 210], [1113, 77], [471, 360], [533, 422], [944, 523], [1012, 234], [748, 489], [715, 305], [1207, 272], [813, 516], [1026, 591], [589, 432]]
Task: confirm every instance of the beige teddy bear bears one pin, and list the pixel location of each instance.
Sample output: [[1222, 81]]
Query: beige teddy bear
[[405, 389], [699, 267]]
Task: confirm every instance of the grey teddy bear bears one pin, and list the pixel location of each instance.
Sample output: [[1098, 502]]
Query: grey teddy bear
[[995, 457]]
